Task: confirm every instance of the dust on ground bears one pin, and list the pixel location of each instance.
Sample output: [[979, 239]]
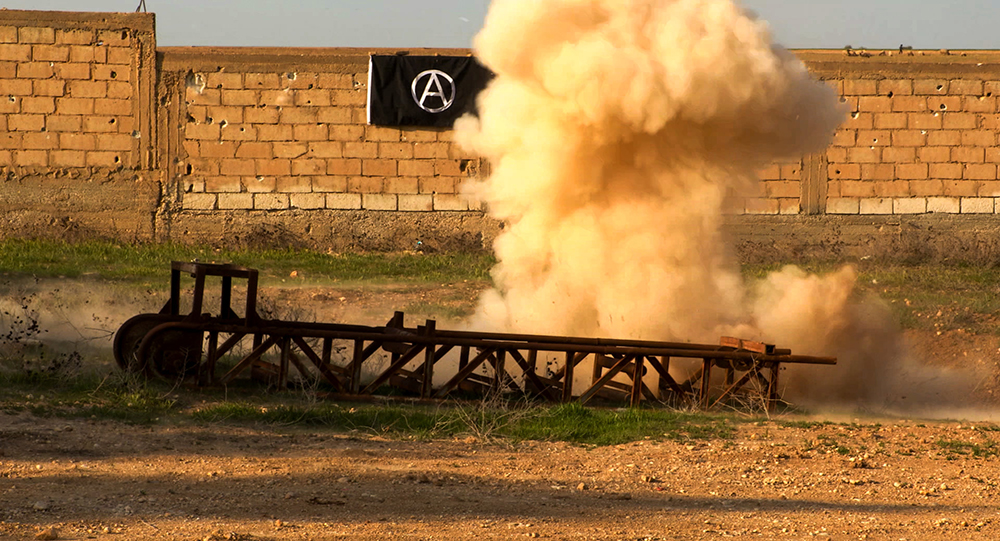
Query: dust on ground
[[790, 477]]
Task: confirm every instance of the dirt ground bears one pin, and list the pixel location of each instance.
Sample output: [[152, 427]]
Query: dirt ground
[[852, 478]]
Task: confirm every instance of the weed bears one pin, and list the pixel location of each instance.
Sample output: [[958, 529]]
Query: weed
[[984, 450]]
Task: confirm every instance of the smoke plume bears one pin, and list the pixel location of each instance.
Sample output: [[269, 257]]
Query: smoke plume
[[616, 130]]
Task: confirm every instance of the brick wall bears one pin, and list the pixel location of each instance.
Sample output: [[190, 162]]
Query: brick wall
[[70, 92], [103, 135], [920, 138], [273, 130]]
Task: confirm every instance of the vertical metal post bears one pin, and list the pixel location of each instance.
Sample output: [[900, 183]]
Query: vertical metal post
[[428, 377], [359, 347], [567, 387], [636, 395], [706, 383]]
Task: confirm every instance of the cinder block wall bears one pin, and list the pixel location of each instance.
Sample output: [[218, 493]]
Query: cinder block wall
[[103, 135], [71, 89], [281, 129]]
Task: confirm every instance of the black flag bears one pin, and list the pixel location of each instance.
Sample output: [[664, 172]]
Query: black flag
[[423, 90]]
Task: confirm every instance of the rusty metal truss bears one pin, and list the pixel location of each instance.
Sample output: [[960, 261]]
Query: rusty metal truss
[[432, 363]]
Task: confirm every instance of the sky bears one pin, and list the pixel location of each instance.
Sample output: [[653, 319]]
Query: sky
[[831, 24]]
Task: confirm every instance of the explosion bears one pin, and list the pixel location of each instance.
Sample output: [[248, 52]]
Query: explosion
[[617, 130]]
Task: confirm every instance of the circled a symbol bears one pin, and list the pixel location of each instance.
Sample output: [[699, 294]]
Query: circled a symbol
[[437, 92]]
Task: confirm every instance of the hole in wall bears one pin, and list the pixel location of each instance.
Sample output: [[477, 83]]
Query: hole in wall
[[854, 114], [311, 86], [118, 159], [124, 34], [113, 121], [114, 74], [838, 171], [943, 107], [136, 134], [189, 168], [223, 123], [940, 88], [12, 99], [890, 94], [291, 75], [209, 120]]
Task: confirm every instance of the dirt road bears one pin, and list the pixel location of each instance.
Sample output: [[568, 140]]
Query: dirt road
[[773, 480]]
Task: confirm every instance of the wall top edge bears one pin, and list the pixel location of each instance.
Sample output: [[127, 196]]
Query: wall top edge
[[142, 22], [264, 59]]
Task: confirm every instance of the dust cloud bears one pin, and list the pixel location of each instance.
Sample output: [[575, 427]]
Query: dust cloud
[[618, 132]]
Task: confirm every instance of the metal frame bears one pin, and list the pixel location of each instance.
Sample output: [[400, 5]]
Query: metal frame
[[487, 362]]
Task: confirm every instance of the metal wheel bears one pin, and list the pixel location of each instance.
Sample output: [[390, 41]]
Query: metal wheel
[[130, 335], [172, 353]]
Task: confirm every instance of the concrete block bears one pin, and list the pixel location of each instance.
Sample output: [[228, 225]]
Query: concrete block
[[220, 184], [38, 70], [287, 149], [8, 34], [343, 201], [360, 150], [400, 185], [310, 132], [430, 150], [965, 87], [114, 38], [72, 37], [312, 98], [909, 205], [439, 185], [944, 138], [912, 171], [343, 166], [450, 202], [259, 184], [978, 205], [925, 121], [895, 87], [909, 104], [308, 201], [33, 34], [890, 121], [198, 201], [274, 167], [294, 184], [273, 132], [309, 166], [48, 87], [123, 56], [235, 201], [225, 80], [979, 138], [789, 206], [329, 183], [112, 107], [378, 201], [416, 203], [876, 205], [980, 171], [261, 81], [49, 53], [960, 188], [238, 132], [860, 87], [270, 201], [945, 205], [395, 151], [942, 104], [67, 158], [298, 115], [909, 138], [893, 188], [930, 87], [239, 97], [365, 184], [757, 205], [968, 155], [378, 168], [326, 149], [842, 205]]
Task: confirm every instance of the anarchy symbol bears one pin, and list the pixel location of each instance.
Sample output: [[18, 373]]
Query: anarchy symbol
[[433, 90]]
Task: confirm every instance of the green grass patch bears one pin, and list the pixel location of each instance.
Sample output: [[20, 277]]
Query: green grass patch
[[569, 423], [150, 263], [978, 450]]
